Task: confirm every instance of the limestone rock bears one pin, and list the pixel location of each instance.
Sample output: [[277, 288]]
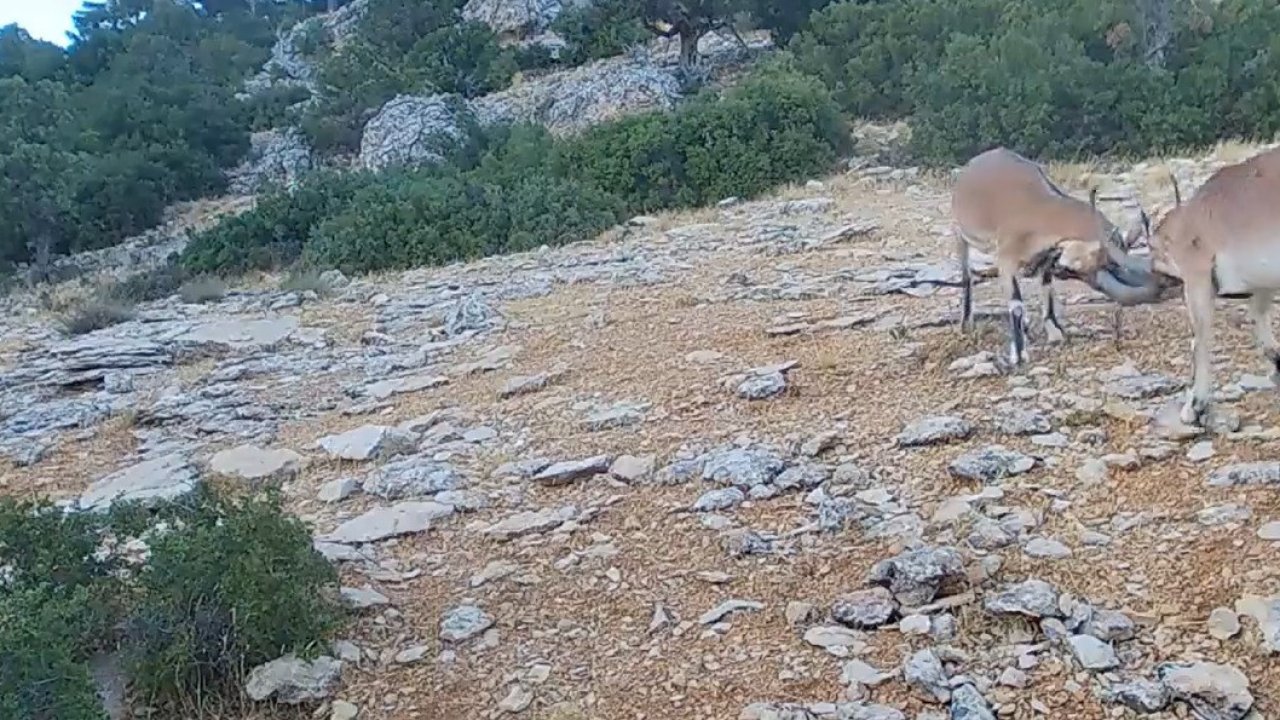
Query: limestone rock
[[1214, 692], [530, 522], [463, 623], [1266, 472], [279, 157], [923, 673], [254, 464], [865, 609], [563, 473], [412, 477], [291, 680], [411, 130], [935, 430], [158, 480], [915, 577], [380, 523], [1033, 598], [369, 442], [991, 464]]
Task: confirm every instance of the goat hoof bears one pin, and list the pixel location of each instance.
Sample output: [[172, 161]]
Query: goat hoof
[[1192, 413], [1054, 336]]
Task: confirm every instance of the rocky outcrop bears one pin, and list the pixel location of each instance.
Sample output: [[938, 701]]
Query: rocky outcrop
[[275, 156], [518, 18], [410, 130], [576, 99], [289, 64]]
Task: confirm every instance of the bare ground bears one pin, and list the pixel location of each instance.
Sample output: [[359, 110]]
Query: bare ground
[[581, 601]]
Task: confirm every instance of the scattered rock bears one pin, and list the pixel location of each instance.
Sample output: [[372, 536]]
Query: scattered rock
[[254, 464], [1020, 421], [631, 468], [411, 130], [618, 416], [968, 704], [1223, 624], [1265, 472], [727, 608], [531, 521], [338, 490], [991, 464], [763, 386], [923, 673], [1033, 598], [1142, 696], [857, 672], [518, 699], [865, 609], [369, 442], [915, 577], [412, 477], [291, 680], [720, 499], [1266, 612], [380, 523], [799, 613], [363, 598], [1046, 549], [343, 710], [1142, 387], [1092, 653], [1270, 531], [564, 473], [935, 430], [742, 467], [1214, 692], [149, 482], [835, 639], [463, 623]]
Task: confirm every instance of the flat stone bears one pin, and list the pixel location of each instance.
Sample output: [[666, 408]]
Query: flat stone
[[829, 637], [241, 334], [1092, 653], [799, 613], [362, 598], [1265, 611], [1110, 626], [1200, 451], [1142, 696], [463, 623], [162, 479], [719, 499], [518, 699], [631, 468], [530, 521], [1143, 387], [384, 389], [762, 387], [619, 416], [343, 710], [1214, 692], [968, 704], [727, 608], [338, 490], [865, 609], [1032, 598], [564, 473], [291, 680], [1046, 549], [1223, 624], [369, 442], [915, 625], [1265, 472], [412, 477], [404, 518], [741, 467], [860, 673], [1270, 531], [935, 430], [254, 464], [1020, 421], [411, 655], [990, 464]]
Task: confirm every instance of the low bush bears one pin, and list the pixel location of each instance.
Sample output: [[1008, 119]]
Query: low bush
[[156, 283], [514, 188], [229, 584], [240, 584], [273, 233], [776, 127], [202, 289]]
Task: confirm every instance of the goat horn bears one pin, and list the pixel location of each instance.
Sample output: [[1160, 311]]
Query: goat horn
[[1093, 197], [1177, 193]]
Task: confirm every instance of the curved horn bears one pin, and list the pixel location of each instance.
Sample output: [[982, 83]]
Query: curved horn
[[1177, 193], [1125, 294]]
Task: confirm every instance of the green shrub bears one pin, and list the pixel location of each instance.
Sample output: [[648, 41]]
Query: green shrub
[[156, 283], [57, 604], [599, 30], [272, 234], [777, 126], [240, 584]]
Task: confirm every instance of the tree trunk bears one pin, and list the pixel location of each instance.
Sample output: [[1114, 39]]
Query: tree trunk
[[1157, 30], [689, 37]]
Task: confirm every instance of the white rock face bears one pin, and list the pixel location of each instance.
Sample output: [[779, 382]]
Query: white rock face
[[518, 18], [158, 480], [411, 130], [242, 334], [275, 156]]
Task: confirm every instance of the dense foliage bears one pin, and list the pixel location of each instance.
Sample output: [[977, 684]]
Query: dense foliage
[[517, 188], [1083, 77], [228, 585], [139, 112]]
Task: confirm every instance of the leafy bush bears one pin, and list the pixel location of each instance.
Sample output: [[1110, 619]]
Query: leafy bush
[[240, 584], [57, 603], [273, 233], [776, 127], [1068, 80], [599, 30]]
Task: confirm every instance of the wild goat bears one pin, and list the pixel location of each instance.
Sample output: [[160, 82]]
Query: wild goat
[[1005, 205], [1222, 243]]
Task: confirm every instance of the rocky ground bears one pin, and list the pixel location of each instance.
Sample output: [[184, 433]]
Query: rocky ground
[[735, 463]]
